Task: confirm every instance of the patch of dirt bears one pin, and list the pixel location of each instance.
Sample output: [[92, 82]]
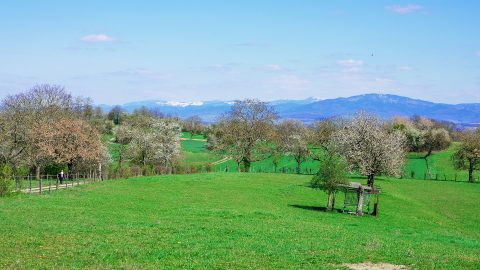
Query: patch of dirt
[[374, 266]]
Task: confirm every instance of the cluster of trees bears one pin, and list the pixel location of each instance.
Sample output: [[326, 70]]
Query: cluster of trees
[[250, 132], [45, 127], [424, 135], [149, 140]]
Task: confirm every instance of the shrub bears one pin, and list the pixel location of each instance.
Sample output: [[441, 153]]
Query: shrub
[[331, 174], [5, 180]]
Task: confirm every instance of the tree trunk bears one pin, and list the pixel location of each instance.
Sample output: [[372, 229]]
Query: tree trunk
[[426, 161], [37, 172], [246, 164], [359, 211], [371, 180], [238, 167], [329, 201], [470, 171], [333, 199], [298, 166]]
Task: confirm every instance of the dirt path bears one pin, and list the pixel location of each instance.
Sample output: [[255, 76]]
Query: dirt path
[[47, 188], [198, 140], [225, 159]]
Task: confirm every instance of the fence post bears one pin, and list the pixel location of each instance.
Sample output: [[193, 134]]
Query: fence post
[[30, 181], [455, 177], [57, 183], [40, 185], [49, 184]]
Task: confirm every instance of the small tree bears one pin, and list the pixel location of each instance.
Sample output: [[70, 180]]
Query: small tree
[[467, 155], [193, 125], [434, 139], [332, 173], [292, 139]]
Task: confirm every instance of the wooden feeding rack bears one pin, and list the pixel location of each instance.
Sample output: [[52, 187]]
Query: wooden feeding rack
[[360, 197]]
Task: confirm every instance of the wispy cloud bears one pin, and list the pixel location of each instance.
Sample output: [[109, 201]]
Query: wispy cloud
[[272, 67], [97, 38], [407, 9], [404, 68], [350, 63]]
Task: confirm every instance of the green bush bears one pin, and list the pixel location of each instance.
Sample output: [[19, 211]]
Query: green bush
[[5, 180]]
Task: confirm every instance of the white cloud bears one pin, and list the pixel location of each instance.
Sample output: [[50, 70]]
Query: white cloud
[[97, 38], [402, 10], [350, 63], [404, 68], [272, 67]]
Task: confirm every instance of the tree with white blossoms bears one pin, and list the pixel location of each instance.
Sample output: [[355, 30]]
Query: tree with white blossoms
[[292, 141], [151, 140], [370, 148]]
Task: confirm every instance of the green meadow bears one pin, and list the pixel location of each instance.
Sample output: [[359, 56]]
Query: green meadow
[[237, 220]]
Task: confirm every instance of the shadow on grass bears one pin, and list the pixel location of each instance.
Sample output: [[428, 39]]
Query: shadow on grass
[[314, 208]]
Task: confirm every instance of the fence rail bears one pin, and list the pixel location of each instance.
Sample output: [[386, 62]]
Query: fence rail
[[48, 183]]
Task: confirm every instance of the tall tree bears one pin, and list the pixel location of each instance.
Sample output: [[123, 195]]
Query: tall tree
[[467, 155], [370, 148], [247, 130]]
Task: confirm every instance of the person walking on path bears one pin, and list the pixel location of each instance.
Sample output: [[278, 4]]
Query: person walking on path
[[61, 176]]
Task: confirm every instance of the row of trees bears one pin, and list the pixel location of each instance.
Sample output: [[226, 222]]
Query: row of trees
[[46, 126], [251, 132]]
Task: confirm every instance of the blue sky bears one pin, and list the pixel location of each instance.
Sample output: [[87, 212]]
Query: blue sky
[[120, 51]]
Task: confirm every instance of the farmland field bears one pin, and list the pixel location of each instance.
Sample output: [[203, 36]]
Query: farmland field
[[238, 221]]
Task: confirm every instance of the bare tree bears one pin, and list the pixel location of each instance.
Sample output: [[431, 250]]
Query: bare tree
[[434, 139], [193, 125], [292, 141], [116, 115], [467, 155], [370, 148], [246, 130]]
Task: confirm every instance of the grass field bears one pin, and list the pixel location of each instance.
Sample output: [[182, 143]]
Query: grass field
[[441, 165], [218, 221]]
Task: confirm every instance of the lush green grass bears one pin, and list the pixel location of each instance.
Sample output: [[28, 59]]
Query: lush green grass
[[195, 153], [188, 135], [218, 221], [440, 164]]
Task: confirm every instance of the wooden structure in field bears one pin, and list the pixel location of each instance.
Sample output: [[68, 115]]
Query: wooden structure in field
[[360, 197]]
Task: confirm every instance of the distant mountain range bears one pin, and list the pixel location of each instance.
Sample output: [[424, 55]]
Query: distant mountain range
[[311, 109]]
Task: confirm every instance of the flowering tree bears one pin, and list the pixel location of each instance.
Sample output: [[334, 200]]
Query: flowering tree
[[370, 148], [151, 140], [292, 141]]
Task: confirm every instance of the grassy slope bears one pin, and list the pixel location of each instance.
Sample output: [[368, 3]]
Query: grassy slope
[[195, 153], [237, 221], [440, 163]]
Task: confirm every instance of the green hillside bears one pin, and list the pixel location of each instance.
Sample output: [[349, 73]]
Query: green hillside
[[218, 221]]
